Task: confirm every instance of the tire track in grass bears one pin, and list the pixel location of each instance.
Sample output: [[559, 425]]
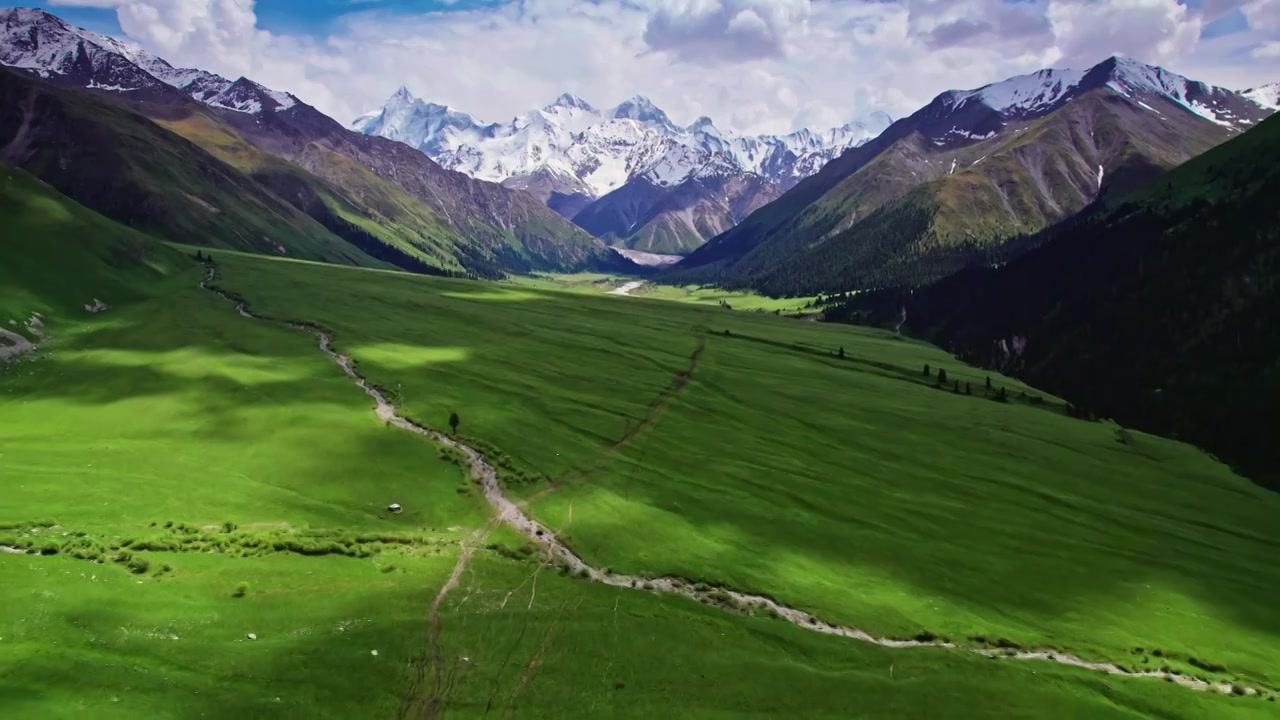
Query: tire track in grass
[[656, 409], [512, 513]]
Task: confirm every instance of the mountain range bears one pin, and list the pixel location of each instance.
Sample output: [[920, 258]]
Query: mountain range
[[191, 156], [627, 173], [950, 185]]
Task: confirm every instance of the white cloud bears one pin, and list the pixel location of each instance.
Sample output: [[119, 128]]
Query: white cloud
[[1267, 51], [751, 65], [1262, 14]]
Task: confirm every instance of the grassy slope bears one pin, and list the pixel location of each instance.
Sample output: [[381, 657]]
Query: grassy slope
[[169, 407], [908, 216], [47, 267], [601, 283], [126, 167], [854, 489], [541, 646], [373, 205]]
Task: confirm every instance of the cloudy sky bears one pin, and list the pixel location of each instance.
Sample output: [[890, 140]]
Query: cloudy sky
[[751, 65]]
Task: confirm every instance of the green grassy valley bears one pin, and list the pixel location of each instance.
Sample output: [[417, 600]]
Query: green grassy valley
[[196, 509], [306, 417]]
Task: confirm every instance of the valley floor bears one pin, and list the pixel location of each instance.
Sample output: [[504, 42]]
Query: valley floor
[[207, 494]]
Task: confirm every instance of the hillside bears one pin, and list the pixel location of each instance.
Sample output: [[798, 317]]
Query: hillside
[[382, 207], [122, 165], [59, 256], [949, 185], [506, 228], [1157, 313]]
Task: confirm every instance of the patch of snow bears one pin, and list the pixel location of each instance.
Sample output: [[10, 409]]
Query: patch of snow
[[93, 85], [1100, 173], [1268, 96], [640, 257], [1147, 107], [953, 167], [975, 162], [1021, 95]]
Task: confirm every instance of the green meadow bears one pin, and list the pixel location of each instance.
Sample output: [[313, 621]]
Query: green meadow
[[195, 521], [850, 487]]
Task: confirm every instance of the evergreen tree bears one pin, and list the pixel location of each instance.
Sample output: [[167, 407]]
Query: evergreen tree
[[942, 377], [453, 422], [926, 370], [842, 353]]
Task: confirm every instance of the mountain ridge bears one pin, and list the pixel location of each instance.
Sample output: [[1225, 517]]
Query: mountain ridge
[[950, 183]]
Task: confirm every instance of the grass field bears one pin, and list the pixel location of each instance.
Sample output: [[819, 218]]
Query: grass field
[[202, 476], [850, 488], [600, 283]]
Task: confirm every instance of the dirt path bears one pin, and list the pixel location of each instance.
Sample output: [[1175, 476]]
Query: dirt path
[[628, 288], [16, 345], [511, 513]]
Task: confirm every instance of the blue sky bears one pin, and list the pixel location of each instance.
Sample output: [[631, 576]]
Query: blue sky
[[312, 17]]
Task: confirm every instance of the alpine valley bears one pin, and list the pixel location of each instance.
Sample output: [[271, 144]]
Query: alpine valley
[[970, 414], [627, 174]]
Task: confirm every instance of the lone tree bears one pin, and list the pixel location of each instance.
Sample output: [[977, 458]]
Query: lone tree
[[988, 382], [1003, 396], [942, 377], [956, 388], [453, 422], [841, 353], [926, 370], [968, 389]]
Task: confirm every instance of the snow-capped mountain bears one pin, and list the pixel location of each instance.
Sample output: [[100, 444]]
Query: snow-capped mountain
[[974, 168], [572, 155], [963, 116], [34, 40], [603, 149]]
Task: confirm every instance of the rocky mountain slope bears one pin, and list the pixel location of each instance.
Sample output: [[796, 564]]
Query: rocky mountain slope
[[1158, 312], [949, 185], [627, 173], [390, 204]]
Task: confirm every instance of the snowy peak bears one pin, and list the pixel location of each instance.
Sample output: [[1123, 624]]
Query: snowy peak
[[247, 96], [576, 149], [1024, 95], [958, 117], [1268, 96], [570, 101], [402, 96], [1144, 83], [35, 41], [642, 109]]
